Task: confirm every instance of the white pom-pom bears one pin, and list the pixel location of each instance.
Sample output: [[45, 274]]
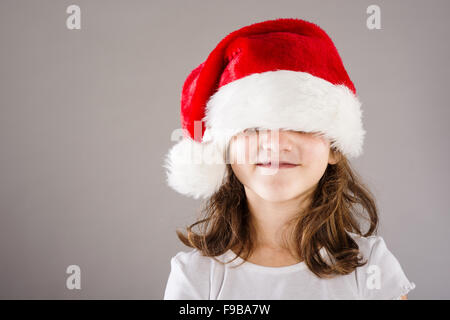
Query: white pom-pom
[[195, 169]]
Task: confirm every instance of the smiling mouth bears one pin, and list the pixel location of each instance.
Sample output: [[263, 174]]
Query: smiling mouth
[[281, 165]]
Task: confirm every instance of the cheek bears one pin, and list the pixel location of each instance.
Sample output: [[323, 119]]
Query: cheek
[[315, 152], [243, 172], [238, 155]]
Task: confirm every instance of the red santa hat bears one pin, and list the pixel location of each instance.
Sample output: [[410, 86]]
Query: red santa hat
[[277, 74]]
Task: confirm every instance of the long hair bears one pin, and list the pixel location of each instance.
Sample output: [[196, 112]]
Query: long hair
[[332, 213]]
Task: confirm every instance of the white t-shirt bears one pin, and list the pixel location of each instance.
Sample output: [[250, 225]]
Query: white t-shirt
[[194, 276]]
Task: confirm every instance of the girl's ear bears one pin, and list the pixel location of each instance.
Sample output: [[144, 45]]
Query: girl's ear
[[334, 156]]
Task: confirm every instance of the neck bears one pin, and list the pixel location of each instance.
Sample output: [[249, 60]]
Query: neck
[[271, 219]]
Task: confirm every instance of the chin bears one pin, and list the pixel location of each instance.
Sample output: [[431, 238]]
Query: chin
[[276, 194]]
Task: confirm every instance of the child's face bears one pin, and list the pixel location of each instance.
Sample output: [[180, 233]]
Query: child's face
[[308, 155]]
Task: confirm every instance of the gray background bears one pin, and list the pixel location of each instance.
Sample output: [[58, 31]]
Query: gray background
[[86, 117]]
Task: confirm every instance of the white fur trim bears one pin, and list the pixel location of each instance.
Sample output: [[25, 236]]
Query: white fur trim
[[290, 100], [195, 169]]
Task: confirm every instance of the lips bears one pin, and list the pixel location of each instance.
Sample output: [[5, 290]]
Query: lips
[[281, 165]]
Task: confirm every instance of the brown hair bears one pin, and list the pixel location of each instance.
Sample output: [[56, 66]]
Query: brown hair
[[325, 222]]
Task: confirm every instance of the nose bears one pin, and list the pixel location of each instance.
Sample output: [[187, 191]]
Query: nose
[[275, 140]]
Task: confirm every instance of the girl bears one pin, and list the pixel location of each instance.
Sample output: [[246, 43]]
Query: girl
[[269, 120]]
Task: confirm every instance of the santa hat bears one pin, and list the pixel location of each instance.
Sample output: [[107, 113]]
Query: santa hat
[[277, 74]]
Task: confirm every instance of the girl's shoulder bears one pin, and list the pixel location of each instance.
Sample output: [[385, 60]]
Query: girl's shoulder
[[186, 278], [192, 276], [382, 277], [192, 261]]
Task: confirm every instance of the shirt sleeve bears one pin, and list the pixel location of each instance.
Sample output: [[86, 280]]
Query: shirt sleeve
[[382, 277], [186, 281]]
